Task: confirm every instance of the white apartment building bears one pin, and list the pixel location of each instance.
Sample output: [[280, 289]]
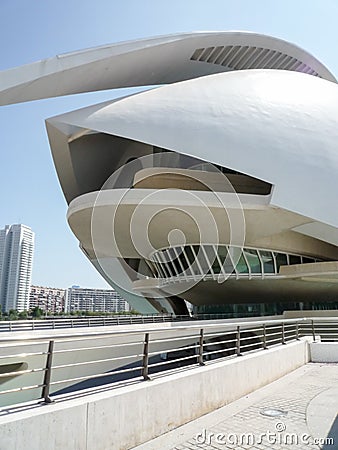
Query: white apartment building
[[95, 300], [48, 299], [16, 258]]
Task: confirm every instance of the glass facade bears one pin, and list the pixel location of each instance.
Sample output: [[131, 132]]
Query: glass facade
[[209, 262], [212, 261]]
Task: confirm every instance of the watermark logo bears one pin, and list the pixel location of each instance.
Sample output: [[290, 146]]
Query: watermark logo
[[279, 436]]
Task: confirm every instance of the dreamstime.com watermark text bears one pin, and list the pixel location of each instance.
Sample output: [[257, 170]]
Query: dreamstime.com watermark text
[[278, 437]]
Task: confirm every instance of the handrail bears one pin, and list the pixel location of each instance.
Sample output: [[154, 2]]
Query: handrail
[[87, 321], [96, 321], [146, 351], [80, 335]]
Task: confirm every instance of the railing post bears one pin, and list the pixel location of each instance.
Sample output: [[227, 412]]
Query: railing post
[[297, 331], [283, 333], [313, 330], [145, 368], [48, 373], [10, 326], [238, 341], [264, 337], [200, 348]]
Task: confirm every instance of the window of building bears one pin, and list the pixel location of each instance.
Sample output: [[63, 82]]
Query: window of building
[[268, 262], [241, 265], [225, 259], [306, 260], [294, 259], [253, 260], [281, 260]]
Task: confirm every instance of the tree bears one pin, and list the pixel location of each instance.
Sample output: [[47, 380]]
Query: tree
[[13, 314], [23, 315], [36, 312]]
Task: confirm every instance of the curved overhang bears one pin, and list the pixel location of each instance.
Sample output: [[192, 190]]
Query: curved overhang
[[155, 61], [109, 216], [261, 123], [132, 222]]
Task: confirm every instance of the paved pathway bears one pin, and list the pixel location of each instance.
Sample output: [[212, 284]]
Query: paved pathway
[[307, 396]]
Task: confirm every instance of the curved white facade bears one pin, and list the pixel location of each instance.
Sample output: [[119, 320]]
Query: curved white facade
[[261, 110]]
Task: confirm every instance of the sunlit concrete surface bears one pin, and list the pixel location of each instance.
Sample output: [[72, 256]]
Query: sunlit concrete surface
[[322, 415], [308, 395], [326, 352]]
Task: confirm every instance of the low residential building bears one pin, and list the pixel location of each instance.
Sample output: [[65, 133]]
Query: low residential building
[[95, 300], [48, 299]]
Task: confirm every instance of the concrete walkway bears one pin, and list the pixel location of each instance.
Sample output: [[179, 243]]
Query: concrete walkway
[[308, 397]]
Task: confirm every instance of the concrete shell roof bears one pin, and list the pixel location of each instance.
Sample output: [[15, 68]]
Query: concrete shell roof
[[277, 126], [154, 61]]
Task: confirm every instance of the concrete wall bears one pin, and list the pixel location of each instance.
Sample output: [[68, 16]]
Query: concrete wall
[[324, 352], [125, 417]]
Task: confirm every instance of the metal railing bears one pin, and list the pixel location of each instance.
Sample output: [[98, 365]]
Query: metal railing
[[54, 323], [76, 322], [53, 366]]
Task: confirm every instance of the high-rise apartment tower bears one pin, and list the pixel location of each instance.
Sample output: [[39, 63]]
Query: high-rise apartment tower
[[16, 258]]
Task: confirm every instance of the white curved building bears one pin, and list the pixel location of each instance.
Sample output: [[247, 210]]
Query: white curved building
[[218, 186]]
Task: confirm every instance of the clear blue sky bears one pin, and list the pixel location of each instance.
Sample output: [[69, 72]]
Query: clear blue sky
[[37, 29]]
